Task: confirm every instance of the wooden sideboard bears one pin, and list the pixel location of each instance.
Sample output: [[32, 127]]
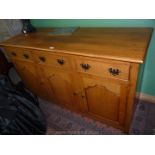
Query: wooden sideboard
[[93, 71]]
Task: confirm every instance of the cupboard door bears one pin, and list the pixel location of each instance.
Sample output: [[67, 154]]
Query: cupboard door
[[62, 84], [31, 79], [106, 99], [47, 93]]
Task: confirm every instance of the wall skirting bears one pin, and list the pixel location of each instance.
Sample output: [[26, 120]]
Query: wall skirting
[[145, 97]]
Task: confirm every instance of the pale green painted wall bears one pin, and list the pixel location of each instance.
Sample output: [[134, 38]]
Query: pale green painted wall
[[148, 69]]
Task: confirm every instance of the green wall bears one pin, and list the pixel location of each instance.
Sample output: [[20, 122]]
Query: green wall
[[148, 68]]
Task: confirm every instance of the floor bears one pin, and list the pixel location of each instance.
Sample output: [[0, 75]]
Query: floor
[[64, 122]]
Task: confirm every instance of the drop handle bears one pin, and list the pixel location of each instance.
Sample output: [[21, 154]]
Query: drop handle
[[26, 56], [60, 61], [114, 72], [43, 59], [85, 66]]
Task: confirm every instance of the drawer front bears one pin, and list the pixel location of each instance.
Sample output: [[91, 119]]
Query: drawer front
[[19, 53], [56, 60], [107, 68]]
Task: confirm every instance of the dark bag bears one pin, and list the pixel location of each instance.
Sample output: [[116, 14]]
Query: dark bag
[[19, 111]]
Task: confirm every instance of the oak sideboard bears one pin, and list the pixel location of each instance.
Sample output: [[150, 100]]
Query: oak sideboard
[[92, 71]]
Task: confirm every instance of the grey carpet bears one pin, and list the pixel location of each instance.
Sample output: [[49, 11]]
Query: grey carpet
[[62, 121]]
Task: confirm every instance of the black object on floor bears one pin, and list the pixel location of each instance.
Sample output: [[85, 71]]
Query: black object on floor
[[20, 113]]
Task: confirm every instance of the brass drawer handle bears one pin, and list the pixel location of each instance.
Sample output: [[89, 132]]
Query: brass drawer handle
[[26, 56], [43, 59], [60, 61], [13, 53], [85, 66], [114, 72]]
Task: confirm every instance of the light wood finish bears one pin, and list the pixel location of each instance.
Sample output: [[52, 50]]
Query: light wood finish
[[101, 67], [93, 71], [52, 59], [44, 85], [106, 98], [125, 44], [21, 54], [28, 73], [132, 94], [62, 84]]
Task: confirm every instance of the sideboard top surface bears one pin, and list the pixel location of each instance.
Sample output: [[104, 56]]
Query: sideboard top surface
[[125, 44]]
